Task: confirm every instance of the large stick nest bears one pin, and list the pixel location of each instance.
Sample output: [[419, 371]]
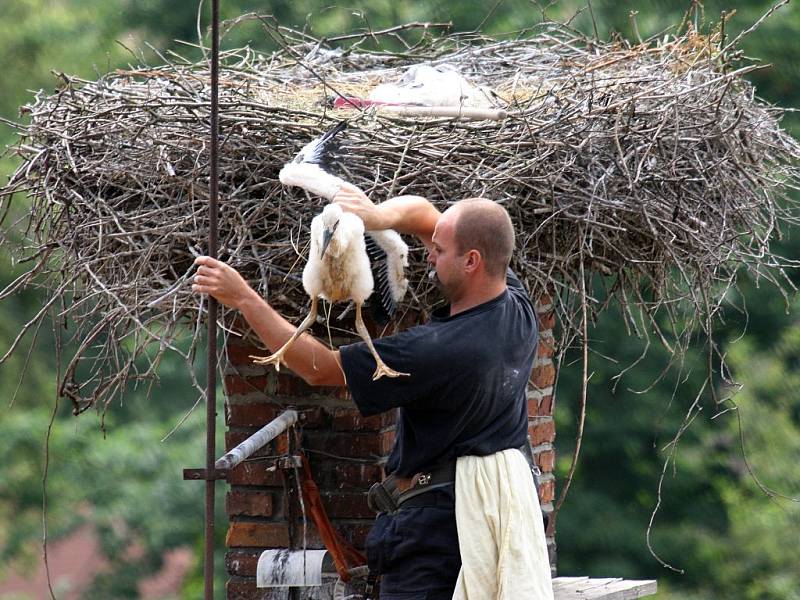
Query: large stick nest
[[652, 171]]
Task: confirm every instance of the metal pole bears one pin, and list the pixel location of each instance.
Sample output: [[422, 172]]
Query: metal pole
[[258, 440], [211, 390]]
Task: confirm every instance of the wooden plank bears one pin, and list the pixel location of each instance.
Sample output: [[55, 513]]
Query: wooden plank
[[612, 588], [567, 582], [629, 590], [585, 589], [592, 584]]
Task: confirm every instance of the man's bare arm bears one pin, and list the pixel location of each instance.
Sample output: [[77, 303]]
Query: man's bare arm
[[310, 359], [413, 215]]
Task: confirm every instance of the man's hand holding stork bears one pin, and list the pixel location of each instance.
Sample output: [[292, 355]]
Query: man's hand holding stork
[[412, 215]]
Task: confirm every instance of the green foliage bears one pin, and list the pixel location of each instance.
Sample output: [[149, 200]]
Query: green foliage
[[714, 522], [762, 551], [38, 36], [127, 483]]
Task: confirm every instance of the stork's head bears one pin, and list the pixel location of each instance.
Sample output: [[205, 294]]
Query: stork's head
[[331, 215]]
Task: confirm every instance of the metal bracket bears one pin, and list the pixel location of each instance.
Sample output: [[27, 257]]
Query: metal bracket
[[293, 461], [203, 475]]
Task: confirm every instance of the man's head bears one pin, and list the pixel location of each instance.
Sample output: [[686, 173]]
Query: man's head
[[472, 246]]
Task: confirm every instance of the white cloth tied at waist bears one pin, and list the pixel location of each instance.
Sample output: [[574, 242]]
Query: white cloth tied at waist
[[500, 530]]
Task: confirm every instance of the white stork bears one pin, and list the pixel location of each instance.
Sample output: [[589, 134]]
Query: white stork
[[344, 261]]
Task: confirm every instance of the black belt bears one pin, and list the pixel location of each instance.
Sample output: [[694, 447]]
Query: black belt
[[386, 497]]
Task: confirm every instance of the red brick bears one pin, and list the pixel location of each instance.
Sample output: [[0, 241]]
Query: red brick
[[541, 433], [387, 441], [242, 562], [249, 503], [252, 414], [543, 376], [546, 460], [257, 535], [255, 473], [281, 444], [312, 417], [546, 348], [356, 533], [541, 408], [287, 384], [240, 355], [237, 384], [356, 476], [350, 419], [544, 300], [533, 407], [245, 589], [354, 445], [352, 533], [547, 492], [347, 506], [547, 320]]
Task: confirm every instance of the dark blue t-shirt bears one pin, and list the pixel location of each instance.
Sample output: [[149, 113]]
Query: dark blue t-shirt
[[466, 391]]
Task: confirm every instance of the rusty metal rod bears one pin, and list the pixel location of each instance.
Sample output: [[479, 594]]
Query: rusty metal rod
[[258, 440], [211, 388]]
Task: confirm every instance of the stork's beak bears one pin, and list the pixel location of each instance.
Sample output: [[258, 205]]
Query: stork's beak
[[327, 236]]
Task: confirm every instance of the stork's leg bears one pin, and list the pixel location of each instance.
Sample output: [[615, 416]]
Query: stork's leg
[[381, 368], [275, 359]]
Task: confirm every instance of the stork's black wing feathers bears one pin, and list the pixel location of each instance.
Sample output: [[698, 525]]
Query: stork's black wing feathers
[[331, 133], [382, 304], [324, 152]]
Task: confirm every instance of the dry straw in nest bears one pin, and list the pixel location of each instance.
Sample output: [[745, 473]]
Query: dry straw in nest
[[650, 172]]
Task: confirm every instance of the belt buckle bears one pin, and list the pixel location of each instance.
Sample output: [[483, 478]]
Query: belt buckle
[[423, 479]]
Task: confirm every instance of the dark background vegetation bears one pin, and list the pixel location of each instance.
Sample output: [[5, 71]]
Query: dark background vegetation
[[714, 522]]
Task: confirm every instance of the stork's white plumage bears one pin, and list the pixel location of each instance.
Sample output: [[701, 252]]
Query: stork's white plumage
[[344, 262]]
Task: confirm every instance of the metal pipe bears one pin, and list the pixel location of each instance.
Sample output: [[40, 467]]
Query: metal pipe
[[211, 388], [258, 440]]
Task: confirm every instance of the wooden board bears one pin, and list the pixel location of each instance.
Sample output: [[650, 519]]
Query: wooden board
[[584, 588]]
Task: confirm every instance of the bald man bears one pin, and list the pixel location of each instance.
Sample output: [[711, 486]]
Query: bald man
[[465, 397]]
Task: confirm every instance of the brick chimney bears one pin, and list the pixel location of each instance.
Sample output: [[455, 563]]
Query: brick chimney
[[346, 452]]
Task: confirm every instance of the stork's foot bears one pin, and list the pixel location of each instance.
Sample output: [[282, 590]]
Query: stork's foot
[[273, 359], [277, 357], [383, 371]]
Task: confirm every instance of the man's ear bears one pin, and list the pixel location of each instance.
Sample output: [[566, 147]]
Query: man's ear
[[474, 261]]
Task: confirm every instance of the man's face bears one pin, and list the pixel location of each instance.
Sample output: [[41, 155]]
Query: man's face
[[444, 257]]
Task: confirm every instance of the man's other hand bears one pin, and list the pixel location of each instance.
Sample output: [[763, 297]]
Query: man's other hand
[[217, 279]]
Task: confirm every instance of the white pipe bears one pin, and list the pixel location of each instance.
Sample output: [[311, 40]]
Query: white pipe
[[258, 440]]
